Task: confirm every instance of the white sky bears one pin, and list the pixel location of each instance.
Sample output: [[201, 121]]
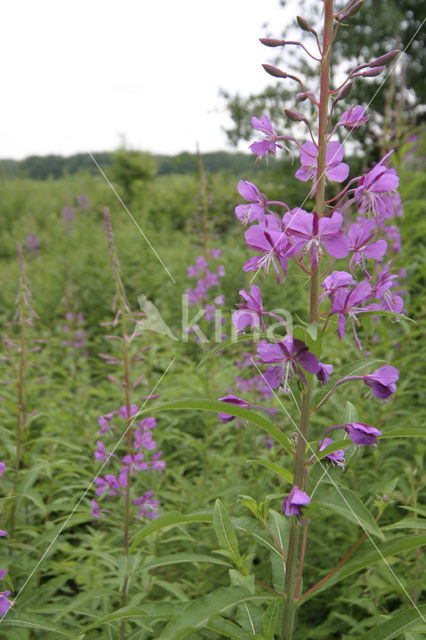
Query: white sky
[[77, 74]]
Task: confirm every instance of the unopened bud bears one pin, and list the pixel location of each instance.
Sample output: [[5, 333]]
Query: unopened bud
[[384, 59], [301, 97], [292, 115], [352, 11], [345, 91], [303, 24], [370, 73], [274, 71], [272, 42]]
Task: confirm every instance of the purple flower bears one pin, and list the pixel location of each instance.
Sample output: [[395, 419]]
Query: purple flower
[[295, 500], [2, 468], [96, 510], [353, 118], [33, 243], [143, 440], [292, 355], [108, 485], [134, 463], [272, 242], [309, 232], [101, 453], [104, 422], [148, 506], [269, 143], [337, 456], [374, 186], [390, 301], [215, 254], [235, 400], [82, 201], [382, 381], [360, 236], [248, 314], [361, 433], [5, 603], [324, 372], [335, 281], [133, 411], [157, 464], [335, 169], [148, 423], [346, 304], [247, 213]]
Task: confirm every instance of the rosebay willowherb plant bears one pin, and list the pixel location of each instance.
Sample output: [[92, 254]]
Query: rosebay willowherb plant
[[345, 225], [139, 447]]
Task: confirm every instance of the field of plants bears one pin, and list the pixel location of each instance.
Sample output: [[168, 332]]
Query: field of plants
[[213, 385]]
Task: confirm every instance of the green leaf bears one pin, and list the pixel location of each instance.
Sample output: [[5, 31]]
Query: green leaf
[[276, 468], [250, 617], [198, 613], [228, 343], [346, 503], [224, 407], [351, 413], [406, 523], [385, 550], [34, 621], [247, 525], [225, 531], [406, 432], [270, 619], [178, 558], [120, 614], [230, 630], [398, 623], [168, 520]]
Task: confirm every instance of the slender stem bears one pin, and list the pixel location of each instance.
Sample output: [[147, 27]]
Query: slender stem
[[21, 414], [290, 593], [333, 388], [302, 558], [129, 436], [333, 571]]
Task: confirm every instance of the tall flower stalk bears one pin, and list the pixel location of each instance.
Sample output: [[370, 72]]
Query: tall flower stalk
[[302, 439], [308, 239], [137, 436]]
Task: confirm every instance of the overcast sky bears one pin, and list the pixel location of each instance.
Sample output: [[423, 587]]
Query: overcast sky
[[78, 74]]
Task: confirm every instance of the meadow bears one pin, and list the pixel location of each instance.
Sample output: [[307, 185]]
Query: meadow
[[133, 504]]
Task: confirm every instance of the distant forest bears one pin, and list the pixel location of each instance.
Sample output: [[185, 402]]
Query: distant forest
[[56, 166]]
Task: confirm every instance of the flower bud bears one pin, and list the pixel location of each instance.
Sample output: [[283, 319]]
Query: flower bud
[[301, 97], [274, 71], [384, 59], [352, 11], [345, 91], [292, 115], [272, 42], [303, 24], [370, 73]]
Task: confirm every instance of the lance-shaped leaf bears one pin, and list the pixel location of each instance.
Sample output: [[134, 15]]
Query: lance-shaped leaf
[[399, 623], [198, 404], [198, 613], [346, 503], [168, 520], [225, 531]]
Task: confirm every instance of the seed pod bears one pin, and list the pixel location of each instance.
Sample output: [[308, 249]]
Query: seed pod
[[272, 42], [274, 71]]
